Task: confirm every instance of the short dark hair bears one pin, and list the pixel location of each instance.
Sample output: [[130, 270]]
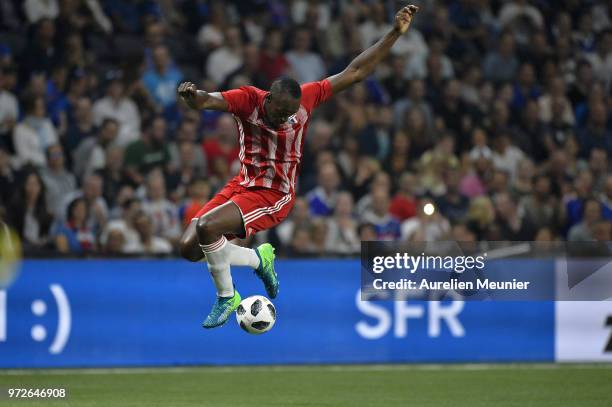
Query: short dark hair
[[287, 85]]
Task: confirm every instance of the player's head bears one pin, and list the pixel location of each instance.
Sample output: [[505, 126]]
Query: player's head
[[282, 101]]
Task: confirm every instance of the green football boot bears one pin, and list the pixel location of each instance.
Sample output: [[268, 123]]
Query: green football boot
[[221, 310], [265, 271]]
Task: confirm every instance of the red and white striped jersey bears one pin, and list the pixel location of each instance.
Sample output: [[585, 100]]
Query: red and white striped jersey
[[269, 157]]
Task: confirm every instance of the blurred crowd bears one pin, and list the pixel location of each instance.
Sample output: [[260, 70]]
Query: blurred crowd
[[496, 113]]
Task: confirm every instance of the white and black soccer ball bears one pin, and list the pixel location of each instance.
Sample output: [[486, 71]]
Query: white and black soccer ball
[[256, 314]]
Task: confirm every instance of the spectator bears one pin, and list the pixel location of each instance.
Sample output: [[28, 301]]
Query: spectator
[[426, 226], [453, 205], [521, 18], [58, 181], [113, 175], [9, 108], [415, 99], [424, 62], [163, 212], [36, 10], [90, 155], [530, 131], [601, 59], [126, 224], [299, 218], [525, 87], [187, 134], [480, 216], [598, 165], [249, 70], [116, 105], [404, 204], [341, 34], [380, 180], [8, 178], [34, 134], [115, 243], [227, 58], [148, 152], [272, 61], [596, 134], [97, 209], [501, 65], [149, 242], [591, 215], [81, 127], [306, 65], [540, 207], [556, 93], [73, 235], [512, 226], [199, 195], [301, 243], [385, 225], [223, 144], [28, 213], [461, 233], [506, 156], [40, 53], [342, 235], [322, 199], [375, 139], [162, 79], [210, 35], [602, 231]]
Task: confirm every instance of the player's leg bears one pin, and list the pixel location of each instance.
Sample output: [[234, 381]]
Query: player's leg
[[223, 220], [263, 209], [210, 230], [189, 246]]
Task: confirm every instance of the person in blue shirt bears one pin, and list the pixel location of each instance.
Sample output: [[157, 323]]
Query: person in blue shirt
[[162, 80]]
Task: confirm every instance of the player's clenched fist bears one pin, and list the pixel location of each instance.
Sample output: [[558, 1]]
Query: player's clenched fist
[[187, 90], [403, 18]]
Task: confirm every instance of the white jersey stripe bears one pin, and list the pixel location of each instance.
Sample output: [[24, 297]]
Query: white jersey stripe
[[278, 204], [271, 170], [243, 169], [269, 212], [257, 213]]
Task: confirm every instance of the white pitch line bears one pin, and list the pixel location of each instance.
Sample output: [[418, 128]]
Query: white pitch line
[[298, 368]]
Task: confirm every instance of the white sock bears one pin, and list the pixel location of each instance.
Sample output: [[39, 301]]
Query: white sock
[[219, 266], [241, 256]]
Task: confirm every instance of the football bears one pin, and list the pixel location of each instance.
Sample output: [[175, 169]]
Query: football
[[256, 314]]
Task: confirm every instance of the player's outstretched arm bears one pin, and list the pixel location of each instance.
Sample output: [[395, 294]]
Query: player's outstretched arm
[[364, 64], [200, 99]]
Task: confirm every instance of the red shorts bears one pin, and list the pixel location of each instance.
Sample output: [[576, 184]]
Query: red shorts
[[261, 208]]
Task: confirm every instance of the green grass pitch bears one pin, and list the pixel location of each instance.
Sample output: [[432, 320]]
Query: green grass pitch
[[334, 386]]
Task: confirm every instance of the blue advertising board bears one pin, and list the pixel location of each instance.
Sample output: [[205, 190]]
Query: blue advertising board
[[92, 313]]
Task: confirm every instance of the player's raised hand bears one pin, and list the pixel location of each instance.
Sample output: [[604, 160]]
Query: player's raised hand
[[403, 18], [187, 90]]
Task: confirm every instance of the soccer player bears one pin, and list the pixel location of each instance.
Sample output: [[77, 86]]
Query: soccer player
[[271, 126]]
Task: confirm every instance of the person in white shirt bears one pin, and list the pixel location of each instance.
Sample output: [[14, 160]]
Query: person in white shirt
[[149, 243], [163, 213], [34, 134], [36, 10], [507, 156], [90, 155], [116, 105], [342, 237], [9, 108], [308, 66], [226, 59]]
